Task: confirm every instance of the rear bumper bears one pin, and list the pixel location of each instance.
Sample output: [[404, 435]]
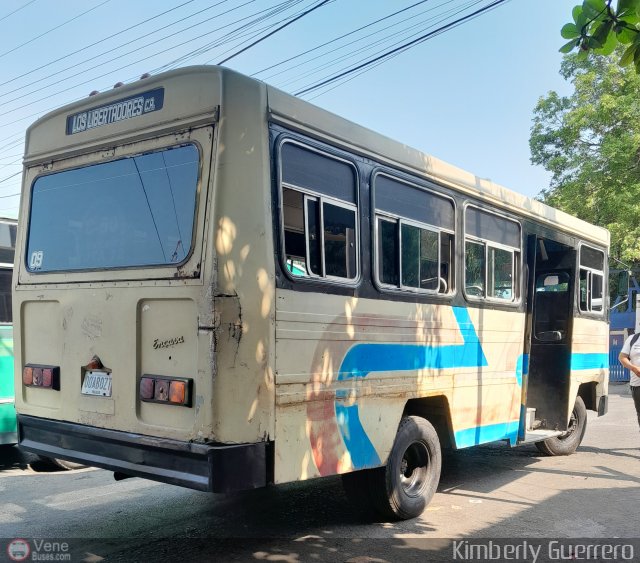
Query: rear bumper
[[216, 468]]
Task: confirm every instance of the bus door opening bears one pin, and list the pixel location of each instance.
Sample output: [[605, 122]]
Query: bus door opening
[[550, 307]]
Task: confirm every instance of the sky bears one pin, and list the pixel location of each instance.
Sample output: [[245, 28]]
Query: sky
[[465, 96]]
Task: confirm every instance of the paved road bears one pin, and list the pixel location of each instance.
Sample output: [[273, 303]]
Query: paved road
[[487, 492]]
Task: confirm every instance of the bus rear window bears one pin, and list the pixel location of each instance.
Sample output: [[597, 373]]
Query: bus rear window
[[135, 211]]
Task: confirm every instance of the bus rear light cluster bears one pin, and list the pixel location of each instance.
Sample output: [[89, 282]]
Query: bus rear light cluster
[[166, 390], [35, 375]]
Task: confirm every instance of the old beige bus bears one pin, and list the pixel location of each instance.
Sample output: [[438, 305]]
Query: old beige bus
[[220, 286]]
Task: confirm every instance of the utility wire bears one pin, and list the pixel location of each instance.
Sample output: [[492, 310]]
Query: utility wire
[[154, 54], [98, 42], [9, 178], [53, 29], [393, 35], [76, 65], [17, 10], [231, 35], [336, 39], [319, 5], [43, 111], [402, 47]]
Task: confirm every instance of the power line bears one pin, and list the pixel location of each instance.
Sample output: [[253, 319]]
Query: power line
[[101, 41], [319, 5], [402, 47], [76, 65], [53, 29], [9, 178], [393, 35], [231, 35], [154, 54], [17, 10], [336, 39]]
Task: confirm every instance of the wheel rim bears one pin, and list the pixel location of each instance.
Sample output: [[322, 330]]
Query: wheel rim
[[414, 469], [573, 424]]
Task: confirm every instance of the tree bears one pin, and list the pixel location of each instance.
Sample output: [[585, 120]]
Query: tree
[[600, 27], [590, 142]]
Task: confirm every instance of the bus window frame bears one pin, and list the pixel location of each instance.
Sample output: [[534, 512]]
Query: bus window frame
[[590, 271], [327, 152], [375, 213], [189, 270], [517, 268], [400, 221]]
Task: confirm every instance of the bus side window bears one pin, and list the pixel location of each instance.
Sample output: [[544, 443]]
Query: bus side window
[[492, 256], [414, 237], [319, 214], [294, 238], [591, 279]]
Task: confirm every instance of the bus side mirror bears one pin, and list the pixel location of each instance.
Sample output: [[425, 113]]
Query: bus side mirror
[[623, 282]]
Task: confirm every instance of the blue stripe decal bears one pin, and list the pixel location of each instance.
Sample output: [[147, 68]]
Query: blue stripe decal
[[589, 361], [522, 368], [363, 359], [489, 433]]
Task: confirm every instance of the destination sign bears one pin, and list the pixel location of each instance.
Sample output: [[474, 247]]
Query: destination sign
[[127, 108]]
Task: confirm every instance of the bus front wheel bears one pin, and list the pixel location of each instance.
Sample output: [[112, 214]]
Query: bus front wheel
[[567, 443]]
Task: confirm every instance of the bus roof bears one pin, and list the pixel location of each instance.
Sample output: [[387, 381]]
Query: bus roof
[[184, 103]]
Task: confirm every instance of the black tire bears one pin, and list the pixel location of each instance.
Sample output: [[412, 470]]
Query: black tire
[[55, 464], [567, 443], [405, 486]]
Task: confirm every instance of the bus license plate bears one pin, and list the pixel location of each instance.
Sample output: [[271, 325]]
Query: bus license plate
[[97, 383]]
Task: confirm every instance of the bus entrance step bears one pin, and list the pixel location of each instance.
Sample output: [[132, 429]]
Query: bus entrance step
[[532, 436]]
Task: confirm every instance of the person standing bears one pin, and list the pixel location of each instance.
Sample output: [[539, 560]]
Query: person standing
[[629, 357]]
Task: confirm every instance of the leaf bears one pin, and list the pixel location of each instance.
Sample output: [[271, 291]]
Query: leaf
[[590, 13], [609, 46], [626, 36], [627, 56], [569, 31], [627, 7], [576, 13], [631, 18], [598, 5], [568, 47], [602, 32], [579, 17], [593, 43]]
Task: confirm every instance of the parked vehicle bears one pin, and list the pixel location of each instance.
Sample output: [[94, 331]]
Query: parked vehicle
[[222, 286]]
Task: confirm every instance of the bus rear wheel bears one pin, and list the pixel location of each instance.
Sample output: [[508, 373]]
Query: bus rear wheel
[[567, 443], [404, 487]]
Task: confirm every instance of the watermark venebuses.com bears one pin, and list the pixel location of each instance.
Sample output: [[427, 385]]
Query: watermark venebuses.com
[[38, 550], [537, 551]]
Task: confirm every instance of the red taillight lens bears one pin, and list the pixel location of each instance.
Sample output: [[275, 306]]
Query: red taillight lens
[[166, 390], [27, 375], [41, 376], [147, 385]]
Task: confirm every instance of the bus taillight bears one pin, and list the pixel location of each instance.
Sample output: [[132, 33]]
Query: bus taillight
[[168, 390], [34, 375]]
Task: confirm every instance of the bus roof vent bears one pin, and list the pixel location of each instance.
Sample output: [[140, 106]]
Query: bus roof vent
[[93, 93], [118, 84], [145, 75]]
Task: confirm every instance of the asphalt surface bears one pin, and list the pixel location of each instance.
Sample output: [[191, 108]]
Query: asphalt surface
[[490, 491]]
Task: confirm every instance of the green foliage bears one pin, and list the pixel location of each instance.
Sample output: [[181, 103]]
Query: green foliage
[[590, 142], [599, 26]]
